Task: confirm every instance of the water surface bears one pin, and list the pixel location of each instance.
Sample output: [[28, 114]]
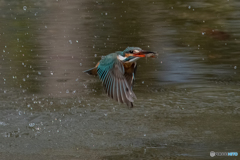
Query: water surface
[[188, 98]]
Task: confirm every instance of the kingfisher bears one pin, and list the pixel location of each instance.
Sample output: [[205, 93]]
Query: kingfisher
[[117, 73]]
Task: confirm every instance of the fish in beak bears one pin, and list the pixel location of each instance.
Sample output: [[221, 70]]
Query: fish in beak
[[144, 53]]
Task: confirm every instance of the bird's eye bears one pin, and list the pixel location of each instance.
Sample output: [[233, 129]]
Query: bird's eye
[[130, 51]]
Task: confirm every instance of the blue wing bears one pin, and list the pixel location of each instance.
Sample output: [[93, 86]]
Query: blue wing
[[112, 74]]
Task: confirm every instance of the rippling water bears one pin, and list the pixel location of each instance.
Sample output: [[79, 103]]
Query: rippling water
[[188, 97]]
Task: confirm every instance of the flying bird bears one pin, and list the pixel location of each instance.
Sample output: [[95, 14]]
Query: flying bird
[[117, 73]]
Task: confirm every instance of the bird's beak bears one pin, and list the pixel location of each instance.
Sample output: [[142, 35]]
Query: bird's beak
[[144, 53]]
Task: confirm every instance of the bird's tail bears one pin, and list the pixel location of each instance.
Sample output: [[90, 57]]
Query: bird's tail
[[92, 71]]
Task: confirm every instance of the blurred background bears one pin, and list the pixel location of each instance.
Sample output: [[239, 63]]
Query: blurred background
[[188, 98]]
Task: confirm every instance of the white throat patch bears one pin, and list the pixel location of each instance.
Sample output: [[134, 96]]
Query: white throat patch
[[121, 58], [134, 59]]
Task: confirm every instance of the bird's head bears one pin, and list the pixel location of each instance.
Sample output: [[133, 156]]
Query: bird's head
[[137, 52]]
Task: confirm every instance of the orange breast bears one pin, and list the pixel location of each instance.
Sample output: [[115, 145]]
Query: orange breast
[[129, 67]]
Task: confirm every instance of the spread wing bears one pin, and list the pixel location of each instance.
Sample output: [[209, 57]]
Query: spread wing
[[112, 74]]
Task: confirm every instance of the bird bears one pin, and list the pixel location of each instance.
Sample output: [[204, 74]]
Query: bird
[[117, 73]]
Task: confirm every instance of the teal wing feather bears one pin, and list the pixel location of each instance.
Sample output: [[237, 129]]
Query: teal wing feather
[[112, 74]]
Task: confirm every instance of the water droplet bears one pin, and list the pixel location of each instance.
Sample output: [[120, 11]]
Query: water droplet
[[77, 41], [95, 55], [24, 8], [80, 64], [51, 103], [39, 73], [24, 79], [31, 124], [189, 7], [144, 135], [142, 82], [203, 33], [28, 76], [145, 150], [45, 26], [235, 67], [106, 13], [79, 101], [3, 50], [70, 41], [105, 114]]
